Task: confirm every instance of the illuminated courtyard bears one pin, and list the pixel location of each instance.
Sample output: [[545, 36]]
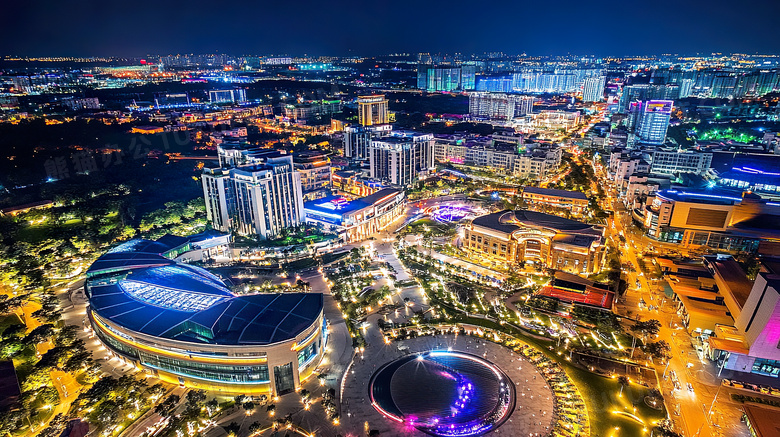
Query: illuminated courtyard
[[425, 390], [465, 394]]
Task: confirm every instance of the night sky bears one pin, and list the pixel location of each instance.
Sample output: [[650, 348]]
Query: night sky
[[372, 27]]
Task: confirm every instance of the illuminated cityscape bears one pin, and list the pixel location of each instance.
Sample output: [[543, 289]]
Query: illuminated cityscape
[[377, 220]]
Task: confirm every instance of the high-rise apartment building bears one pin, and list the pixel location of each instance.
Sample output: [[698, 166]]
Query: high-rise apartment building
[[259, 199], [499, 106], [593, 89], [401, 157], [643, 92], [446, 77], [372, 110], [650, 120], [686, 88]]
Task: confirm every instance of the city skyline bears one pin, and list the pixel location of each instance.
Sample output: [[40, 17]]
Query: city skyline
[[91, 29], [247, 220]]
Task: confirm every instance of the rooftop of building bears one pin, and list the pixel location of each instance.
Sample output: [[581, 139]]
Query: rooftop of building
[[581, 241], [136, 287], [764, 420], [706, 309], [730, 272], [342, 206], [710, 197], [555, 192], [512, 220], [590, 296], [309, 156]]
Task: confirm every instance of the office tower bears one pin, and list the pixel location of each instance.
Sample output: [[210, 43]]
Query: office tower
[[498, 106], [401, 158], [652, 120], [259, 199], [593, 89], [357, 139], [372, 110]]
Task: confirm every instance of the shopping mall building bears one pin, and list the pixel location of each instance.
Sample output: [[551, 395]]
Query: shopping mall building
[[522, 236], [183, 325]]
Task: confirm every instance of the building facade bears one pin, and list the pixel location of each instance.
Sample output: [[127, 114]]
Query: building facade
[[315, 170], [357, 219], [357, 139], [523, 236], [499, 106], [593, 89], [713, 220], [675, 162], [574, 201], [652, 119], [372, 110]]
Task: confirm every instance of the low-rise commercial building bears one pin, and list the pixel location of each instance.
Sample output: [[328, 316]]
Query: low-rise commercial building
[[676, 162], [354, 183], [355, 220], [717, 220], [503, 153], [574, 201], [520, 236], [750, 344]]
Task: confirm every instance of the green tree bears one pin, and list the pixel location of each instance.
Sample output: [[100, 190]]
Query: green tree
[[647, 327], [623, 381], [659, 350]]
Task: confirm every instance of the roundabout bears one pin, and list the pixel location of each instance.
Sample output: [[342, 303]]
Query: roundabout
[[464, 394]]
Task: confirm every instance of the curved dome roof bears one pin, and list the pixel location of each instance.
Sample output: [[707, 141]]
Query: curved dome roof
[[135, 287]]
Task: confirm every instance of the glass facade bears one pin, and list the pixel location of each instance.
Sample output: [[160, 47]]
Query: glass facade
[[307, 354], [285, 381], [209, 371], [117, 345], [766, 367]]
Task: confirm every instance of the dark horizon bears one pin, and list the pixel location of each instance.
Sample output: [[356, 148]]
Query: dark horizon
[[94, 29]]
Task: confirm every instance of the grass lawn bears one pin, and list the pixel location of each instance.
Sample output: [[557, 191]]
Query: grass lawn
[[300, 264], [601, 394], [6, 321], [331, 257]]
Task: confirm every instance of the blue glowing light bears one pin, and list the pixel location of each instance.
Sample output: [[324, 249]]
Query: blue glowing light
[[169, 298]]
